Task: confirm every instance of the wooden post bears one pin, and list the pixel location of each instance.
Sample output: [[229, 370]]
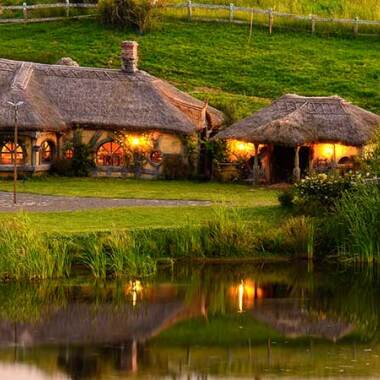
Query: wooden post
[[189, 10], [312, 20], [297, 170], [356, 25], [67, 8], [250, 26], [334, 158], [25, 11], [231, 12], [270, 13], [311, 160], [256, 165]]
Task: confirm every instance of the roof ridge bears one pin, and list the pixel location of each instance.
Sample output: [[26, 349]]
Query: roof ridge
[[22, 76]]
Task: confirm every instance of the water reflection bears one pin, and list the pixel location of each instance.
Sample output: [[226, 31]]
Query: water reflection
[[210, 321]]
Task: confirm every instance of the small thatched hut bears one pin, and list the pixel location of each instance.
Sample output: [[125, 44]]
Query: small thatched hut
[[150, 114], [296, 134]]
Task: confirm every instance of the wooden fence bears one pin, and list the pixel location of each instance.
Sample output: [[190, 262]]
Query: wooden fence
[[189, 6], [26, 8], [270, 14]]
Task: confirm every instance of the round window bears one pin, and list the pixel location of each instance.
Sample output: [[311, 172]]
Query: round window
[[156, 157]]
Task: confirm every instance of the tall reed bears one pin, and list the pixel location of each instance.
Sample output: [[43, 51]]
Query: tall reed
[[358, 221], [299, 236], [25, 252]]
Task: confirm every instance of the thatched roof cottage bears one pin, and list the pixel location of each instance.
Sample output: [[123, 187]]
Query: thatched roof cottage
[[296, 134], [59, 99]]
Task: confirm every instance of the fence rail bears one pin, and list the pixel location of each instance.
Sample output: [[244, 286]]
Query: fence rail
[[190, 6], [271, 14], [25, 8]]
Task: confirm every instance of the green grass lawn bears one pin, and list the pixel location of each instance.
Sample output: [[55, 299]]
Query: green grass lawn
[[235, 194], [215, 61], [262, 218], [260, 205]]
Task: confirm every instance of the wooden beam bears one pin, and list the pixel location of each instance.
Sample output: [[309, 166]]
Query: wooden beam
[[256, 165], [297, 170]]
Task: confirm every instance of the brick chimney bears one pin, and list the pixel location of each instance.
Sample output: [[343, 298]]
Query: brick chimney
[[129, 56]]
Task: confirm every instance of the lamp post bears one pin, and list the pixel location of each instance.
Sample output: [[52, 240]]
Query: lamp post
[[15, 107]]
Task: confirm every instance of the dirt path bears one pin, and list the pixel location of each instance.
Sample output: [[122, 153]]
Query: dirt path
[[35, 202]]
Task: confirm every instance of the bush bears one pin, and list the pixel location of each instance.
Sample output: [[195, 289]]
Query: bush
[[320, 192], [82, 163], [286, 198], [62, 167], [138, 14], [174, 167], [370, 160]]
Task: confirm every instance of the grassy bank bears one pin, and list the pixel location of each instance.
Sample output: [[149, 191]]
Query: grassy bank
[[27, 253], [193, 57]]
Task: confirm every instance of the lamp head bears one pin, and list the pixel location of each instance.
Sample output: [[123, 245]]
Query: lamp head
[[18, 104]]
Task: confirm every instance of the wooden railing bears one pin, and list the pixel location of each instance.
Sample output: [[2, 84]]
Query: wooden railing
[[189, 6], [26, 8], [271, 14]]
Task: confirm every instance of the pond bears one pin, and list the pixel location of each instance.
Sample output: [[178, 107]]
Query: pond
[[214, 321]]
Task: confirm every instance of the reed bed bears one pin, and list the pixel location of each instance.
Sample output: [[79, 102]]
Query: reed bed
[[25, 253], [358, 224]]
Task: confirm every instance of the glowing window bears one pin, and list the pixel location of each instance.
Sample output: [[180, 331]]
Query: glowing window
[[156, 157], [69, 154], [47, 151], [110, 154], [7, 152]]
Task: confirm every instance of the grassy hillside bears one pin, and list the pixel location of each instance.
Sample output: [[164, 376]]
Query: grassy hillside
[[216, 61]]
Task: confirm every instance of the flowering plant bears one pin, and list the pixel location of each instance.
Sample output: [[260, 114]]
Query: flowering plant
[[324, 190]]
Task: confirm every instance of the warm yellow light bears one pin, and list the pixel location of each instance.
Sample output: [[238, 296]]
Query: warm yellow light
[[245, 292], [240, 149], [134, 288], [135, 141], [138, 142], [327, 150], [259, 293], [240, 297]]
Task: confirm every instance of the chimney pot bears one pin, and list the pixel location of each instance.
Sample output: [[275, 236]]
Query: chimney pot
[[129, 56]]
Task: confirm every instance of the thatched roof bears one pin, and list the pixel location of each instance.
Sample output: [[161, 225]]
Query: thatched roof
[[60, 96], [294, 120], [292, 320]]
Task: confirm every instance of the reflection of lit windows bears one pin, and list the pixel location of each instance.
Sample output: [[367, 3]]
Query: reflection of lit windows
[[246, 293], [47, 151], [7, 152], [134, 289]]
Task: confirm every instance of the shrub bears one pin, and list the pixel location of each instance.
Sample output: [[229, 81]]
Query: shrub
[[142, 15], [321, 191], [370, 160], [82, 163], [174, 167], [286, 198], [62, 167]]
